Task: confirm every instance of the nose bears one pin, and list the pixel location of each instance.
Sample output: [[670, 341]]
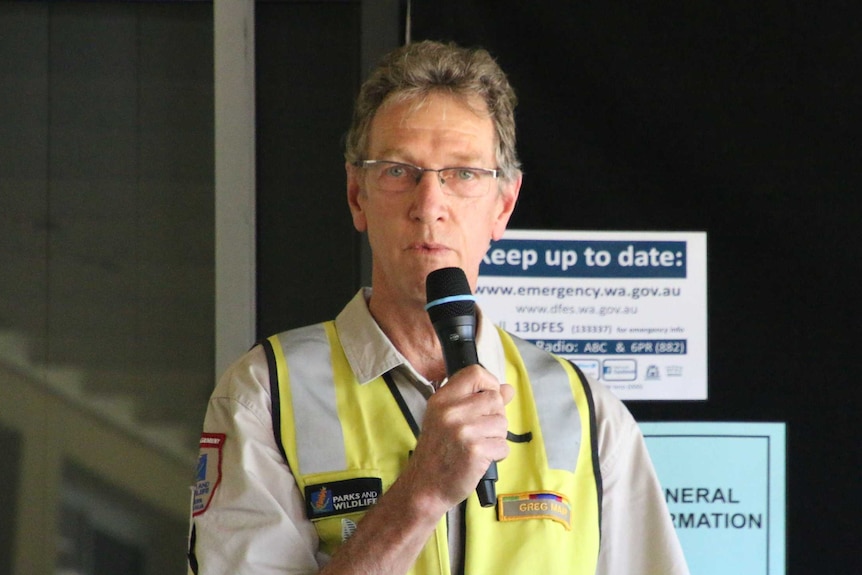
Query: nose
[[429, 201]]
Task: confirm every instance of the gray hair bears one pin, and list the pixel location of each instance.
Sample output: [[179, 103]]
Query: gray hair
[[416, 70]]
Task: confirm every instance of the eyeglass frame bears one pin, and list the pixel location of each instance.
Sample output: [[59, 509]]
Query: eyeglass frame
[[494, 173]]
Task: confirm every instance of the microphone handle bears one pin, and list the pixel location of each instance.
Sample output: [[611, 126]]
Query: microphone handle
[[487, 488], [459, 350]]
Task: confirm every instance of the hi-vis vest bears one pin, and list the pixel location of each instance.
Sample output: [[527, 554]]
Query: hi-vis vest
[[346, 444]]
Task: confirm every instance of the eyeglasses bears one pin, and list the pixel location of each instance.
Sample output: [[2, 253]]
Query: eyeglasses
[[398, 177]]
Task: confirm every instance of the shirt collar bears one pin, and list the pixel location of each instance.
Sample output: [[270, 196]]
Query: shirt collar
[[371, 354]]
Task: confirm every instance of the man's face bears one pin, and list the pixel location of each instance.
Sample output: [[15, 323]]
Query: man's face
[[416, 232]]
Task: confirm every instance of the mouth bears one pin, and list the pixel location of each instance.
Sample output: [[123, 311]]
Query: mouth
[[429, 248]]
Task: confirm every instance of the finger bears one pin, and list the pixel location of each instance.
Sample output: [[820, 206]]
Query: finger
[[508, 393], [472, 379]]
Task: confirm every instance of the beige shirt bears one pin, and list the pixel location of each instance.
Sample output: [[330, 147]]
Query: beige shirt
[[255, 523]]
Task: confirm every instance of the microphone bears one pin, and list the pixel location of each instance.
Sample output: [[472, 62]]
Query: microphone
[[452, 309]]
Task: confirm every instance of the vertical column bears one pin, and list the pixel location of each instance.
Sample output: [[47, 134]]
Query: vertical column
[[234, 179]]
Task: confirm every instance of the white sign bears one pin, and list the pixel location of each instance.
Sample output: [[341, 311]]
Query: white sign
[[629, 308]]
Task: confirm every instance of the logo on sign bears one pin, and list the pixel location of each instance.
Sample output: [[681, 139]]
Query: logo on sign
[[619, 370]]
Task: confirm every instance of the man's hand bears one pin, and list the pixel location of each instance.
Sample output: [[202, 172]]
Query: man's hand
[[463, 432]]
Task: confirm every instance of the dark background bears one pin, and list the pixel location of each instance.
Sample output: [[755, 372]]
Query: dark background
[[736, 118], [10, 472]]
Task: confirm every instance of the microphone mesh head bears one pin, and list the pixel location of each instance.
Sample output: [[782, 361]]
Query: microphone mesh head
[[447, 282]]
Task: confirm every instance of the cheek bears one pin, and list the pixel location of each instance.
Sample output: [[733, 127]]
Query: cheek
[[478, 231], [381, 225]]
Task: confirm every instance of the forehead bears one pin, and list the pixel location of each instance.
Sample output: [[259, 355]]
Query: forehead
[[438, 124]]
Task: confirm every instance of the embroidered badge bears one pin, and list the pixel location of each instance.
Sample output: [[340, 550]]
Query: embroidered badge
[[535, 505], [208, 474], [341, 497]]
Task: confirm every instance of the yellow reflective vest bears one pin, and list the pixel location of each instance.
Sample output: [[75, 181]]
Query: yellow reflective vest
[[346, 444]]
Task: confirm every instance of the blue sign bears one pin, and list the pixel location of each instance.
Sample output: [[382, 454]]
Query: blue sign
[[725, 485]]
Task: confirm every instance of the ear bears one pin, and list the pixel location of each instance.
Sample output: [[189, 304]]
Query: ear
[[506, 200], [356, 197]]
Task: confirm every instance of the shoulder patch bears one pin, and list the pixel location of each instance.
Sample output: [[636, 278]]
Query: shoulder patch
[[208, 474]]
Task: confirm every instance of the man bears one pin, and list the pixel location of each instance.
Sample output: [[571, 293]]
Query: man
[[343, 447]]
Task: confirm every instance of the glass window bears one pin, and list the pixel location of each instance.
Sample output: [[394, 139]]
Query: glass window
[[106, 259]]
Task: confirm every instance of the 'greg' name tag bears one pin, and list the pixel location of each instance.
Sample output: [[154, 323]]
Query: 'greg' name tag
[[535, 505]]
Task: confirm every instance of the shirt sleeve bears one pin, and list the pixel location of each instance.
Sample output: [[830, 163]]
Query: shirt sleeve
[[254, 521], [638, 537]]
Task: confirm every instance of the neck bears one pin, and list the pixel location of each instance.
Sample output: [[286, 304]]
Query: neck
[[410, 331]]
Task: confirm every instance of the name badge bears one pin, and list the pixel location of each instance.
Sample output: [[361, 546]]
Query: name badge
[[535, 505]]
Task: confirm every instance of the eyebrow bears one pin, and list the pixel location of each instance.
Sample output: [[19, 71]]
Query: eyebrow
[[461, 160]]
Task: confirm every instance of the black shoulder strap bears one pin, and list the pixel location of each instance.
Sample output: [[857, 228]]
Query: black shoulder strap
[[594, 437], [402, 405], [275, 396]]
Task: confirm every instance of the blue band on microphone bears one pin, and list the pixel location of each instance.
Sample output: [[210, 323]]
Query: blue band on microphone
[[448, 299]]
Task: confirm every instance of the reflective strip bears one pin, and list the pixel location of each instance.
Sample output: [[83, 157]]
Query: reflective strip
[[555, 404], [319, 439]]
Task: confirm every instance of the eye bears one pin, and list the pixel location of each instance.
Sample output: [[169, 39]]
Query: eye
[[395, 171], [466, 174]]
